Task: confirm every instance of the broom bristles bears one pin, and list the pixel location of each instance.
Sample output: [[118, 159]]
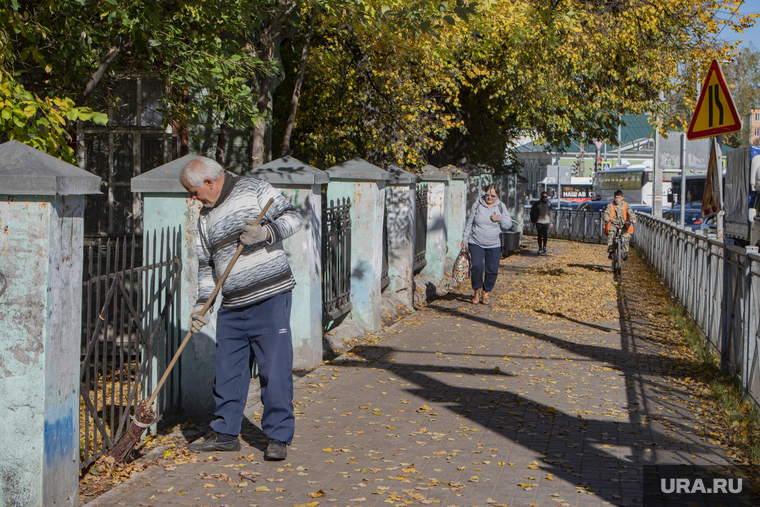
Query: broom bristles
[[123, 448]]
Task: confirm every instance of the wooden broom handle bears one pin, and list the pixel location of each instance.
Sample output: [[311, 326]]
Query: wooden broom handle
[[205, 308]]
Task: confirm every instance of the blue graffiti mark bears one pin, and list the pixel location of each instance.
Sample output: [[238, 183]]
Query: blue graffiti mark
[[59, 439]]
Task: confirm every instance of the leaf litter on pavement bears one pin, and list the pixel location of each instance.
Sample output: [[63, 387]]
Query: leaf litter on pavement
[[427, 419]]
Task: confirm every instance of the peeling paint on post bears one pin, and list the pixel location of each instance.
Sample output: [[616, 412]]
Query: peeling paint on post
[[437, 232], [457, 210], [364, 184], [400, 202], [41, 219]]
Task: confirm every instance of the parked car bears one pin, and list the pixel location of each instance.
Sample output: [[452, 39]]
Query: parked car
[[641, 208], [593, 206], [564, 204], [692, 217], [602, 205]]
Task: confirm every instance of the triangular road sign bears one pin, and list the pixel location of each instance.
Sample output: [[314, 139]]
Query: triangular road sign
[[715, 113]]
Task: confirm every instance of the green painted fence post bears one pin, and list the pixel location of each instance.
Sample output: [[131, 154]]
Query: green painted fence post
[[41, 243]]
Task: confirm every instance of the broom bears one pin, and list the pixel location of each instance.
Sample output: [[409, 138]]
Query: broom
[[144, 415]]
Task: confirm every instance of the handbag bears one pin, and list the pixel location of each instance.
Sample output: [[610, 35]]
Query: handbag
[[461, 267]]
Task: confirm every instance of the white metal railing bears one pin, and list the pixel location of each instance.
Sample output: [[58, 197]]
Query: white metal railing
[[719, 286]]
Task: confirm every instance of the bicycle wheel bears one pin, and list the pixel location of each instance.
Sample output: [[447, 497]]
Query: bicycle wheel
[[618, 255]]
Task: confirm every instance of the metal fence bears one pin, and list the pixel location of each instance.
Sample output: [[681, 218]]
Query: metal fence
[[576, 225], [420, 227], [718, 284], [126, 309], [336, 260]]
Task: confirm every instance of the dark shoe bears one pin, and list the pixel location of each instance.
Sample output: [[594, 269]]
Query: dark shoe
[[625, 256], [276, 451], [544, 250], [211, 445]]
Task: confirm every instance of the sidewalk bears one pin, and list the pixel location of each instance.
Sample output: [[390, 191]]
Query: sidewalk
[[555, 394]]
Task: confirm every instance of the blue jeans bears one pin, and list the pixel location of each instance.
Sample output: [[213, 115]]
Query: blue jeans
[[484, 259], [260, 331]]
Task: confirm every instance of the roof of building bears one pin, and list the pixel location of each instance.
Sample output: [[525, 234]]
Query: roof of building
[[635, 128]]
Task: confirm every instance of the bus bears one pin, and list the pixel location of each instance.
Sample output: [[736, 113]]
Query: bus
[[635, 181], [579, 190], [695, 188]]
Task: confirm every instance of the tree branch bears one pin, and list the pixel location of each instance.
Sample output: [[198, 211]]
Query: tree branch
[[98, 74]]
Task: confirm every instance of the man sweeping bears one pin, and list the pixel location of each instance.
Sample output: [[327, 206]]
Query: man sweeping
[[254, 320]]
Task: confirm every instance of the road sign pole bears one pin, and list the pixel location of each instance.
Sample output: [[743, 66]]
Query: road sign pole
[[657, 184], [683, 179]]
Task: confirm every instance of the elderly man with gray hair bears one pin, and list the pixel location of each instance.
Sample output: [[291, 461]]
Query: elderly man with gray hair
[[254, 320]]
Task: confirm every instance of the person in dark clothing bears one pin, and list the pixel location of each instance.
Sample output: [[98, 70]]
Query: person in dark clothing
[[544, 222]]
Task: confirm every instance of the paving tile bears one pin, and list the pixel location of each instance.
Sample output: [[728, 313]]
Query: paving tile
[[421, 414]]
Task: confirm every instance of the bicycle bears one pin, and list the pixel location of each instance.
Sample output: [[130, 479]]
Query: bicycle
[[617, 249]]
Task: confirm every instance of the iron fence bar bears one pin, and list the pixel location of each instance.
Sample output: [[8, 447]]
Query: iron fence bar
[[88, 309], [112, 355]]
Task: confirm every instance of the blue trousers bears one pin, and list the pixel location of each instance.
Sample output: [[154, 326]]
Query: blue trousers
[[484, 259], [260, 331]]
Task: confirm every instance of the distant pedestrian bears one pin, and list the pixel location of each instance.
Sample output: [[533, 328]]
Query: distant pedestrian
[[544, 222], [528, 199], [482, 235]]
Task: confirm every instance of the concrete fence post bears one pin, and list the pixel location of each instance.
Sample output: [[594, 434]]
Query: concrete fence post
[[364, 184], [302, 185], [457, 212], [400, 202], [436, 245], [41, 262]]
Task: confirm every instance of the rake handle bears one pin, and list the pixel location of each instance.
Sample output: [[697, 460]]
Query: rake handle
[[205, 308]]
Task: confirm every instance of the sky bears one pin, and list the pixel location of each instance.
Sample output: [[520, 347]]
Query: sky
[[750, 35]]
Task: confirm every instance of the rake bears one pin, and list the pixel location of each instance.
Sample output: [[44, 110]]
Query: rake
[[145, 415]]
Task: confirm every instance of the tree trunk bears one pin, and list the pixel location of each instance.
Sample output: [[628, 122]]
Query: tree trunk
[[257, 148], [221, 142], [268, 39], [297, 88]]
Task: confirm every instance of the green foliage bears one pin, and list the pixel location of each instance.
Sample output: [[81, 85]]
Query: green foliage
[[40, 122], [392, 81], [743, 74], [203, 49]]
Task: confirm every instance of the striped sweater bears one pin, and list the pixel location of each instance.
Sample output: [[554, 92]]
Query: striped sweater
[[262, 270]]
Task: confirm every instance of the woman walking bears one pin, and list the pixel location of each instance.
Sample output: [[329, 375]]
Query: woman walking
[[544, 222], [488, 217]]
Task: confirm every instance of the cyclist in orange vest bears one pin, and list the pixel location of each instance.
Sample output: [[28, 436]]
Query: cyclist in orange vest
[[615, 216]]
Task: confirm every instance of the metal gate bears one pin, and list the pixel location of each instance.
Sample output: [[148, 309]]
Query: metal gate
[[385, 280], [127, 316], [336, 259], [420, 227]]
